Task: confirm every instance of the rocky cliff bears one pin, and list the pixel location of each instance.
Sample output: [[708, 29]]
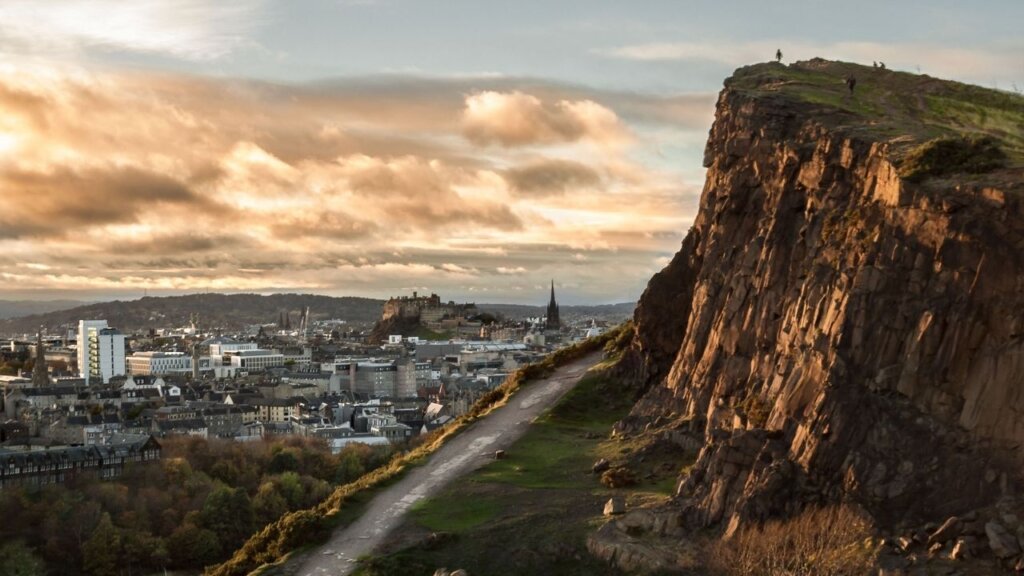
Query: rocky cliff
[[845, 319]]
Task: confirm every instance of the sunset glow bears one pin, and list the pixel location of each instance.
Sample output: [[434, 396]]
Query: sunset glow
[[175, 148]]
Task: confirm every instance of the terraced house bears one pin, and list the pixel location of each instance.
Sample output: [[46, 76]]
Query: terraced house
[[35, 467]]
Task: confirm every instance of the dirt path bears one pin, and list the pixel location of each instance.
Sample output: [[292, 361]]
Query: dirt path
[[462, 454]]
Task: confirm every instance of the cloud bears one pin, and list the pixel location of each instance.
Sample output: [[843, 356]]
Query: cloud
[[554, 176], [189, 29], [181, 243], [328, 225], [456, 269], [123, 182], [519, 119], [57, 202]]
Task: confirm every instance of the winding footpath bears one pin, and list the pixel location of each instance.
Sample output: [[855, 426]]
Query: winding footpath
[[470, 449]]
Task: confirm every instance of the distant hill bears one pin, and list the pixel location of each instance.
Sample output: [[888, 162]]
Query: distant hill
[[226, 311], [15, 308], [610, 312]]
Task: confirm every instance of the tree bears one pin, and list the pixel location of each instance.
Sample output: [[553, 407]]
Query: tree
[[268, 504], [228, 512], [142, 549], [193, 547], [283, 461], [102, 551], [17, 559], [349, 469]]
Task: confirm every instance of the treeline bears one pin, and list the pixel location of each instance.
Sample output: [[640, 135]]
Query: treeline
[[192, 509]]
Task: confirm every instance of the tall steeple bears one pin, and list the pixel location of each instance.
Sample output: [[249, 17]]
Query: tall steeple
[[553, 322], [40, 377]]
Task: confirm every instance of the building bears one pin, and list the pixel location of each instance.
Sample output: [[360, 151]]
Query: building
[[33, 467], [375, 379], [40, 377], [428, 310], [222, 346], [299, 356], [256, 359], [159, 363], [273, 409], [100, 352], [553, 322]]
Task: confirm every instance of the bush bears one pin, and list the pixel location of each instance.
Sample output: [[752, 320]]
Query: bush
[[832, 541], [941, 156], [619, 477]]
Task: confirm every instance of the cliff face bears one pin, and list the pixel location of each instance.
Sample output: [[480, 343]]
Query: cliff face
[[831, 329]]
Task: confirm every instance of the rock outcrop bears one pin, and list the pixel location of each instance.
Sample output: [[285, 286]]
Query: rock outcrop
[[833, 329]]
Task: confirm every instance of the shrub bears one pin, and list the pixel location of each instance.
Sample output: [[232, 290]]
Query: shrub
[[941, 156], [618, 477], [831, 541]]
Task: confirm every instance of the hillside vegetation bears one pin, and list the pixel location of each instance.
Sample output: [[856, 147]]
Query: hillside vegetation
[[226, 311], [907, 110]]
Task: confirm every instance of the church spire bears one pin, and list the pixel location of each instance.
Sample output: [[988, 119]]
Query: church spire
[[40, 377], [553, 322]]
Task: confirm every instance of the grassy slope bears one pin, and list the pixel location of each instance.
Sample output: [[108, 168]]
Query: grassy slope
[[531, 512], [269, 549], [904, 108]]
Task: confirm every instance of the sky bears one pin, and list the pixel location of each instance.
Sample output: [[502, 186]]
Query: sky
[[476, 149]]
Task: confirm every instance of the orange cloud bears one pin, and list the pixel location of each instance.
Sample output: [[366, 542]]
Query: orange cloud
[[127, 181], [518, 119]]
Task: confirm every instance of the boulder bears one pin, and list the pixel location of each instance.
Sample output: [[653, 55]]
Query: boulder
[[961, 550], [1003, 544], [615, 505], [905, 543], [459, 572], [949, 530], [499, 454], [600, 466]]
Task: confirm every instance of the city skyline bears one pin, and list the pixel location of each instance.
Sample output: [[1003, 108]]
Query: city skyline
[[362, 148]]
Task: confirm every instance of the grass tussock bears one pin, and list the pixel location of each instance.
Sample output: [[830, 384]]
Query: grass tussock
[[941, 156], [305, 527], [831, 541]]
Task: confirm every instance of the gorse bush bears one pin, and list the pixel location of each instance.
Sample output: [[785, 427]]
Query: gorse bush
[[942, 156], [832, 541]]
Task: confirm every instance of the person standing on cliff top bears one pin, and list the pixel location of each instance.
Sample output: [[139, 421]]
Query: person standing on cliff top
[[778, 55]]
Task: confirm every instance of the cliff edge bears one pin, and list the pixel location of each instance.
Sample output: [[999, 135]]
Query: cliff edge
[[845, 319]]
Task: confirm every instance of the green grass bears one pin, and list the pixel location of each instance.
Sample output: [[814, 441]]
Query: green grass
[[424, 333], [556, 450], [532, 511], [460, 513], [905, 109], [942, 156]]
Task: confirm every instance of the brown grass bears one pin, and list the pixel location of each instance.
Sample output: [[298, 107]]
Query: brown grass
[[832, 541]]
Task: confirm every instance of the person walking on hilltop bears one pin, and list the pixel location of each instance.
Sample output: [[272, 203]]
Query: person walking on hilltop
[[778, 55], [851, 83]]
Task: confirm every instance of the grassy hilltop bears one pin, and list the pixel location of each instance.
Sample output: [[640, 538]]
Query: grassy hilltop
[[906, 110]]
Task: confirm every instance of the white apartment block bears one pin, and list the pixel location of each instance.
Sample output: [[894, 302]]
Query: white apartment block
[[100, 351], [256, 359], [159, 363], [224, 347]]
